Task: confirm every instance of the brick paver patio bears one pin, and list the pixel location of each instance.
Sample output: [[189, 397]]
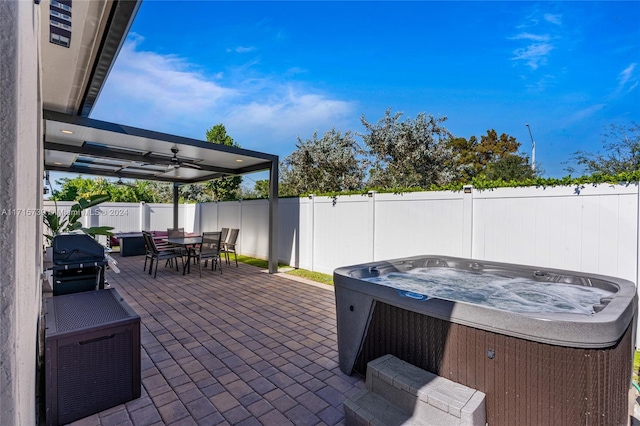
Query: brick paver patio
[[241, 348]]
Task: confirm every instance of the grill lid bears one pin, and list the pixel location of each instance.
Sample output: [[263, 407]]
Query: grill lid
[[76, 248]]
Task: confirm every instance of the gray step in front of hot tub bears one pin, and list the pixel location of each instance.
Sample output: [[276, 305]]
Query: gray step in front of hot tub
[[368, 408], [400, 393]]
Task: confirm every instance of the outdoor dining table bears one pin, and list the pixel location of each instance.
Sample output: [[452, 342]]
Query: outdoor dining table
[[185, 242]]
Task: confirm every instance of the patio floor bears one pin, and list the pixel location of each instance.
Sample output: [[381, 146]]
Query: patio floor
[[241, 348]]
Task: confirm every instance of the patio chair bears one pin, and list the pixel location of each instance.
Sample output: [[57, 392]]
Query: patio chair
[[177, 233], [147, 249], [225, 235], [159, 238], [229, 245], [209, 249], [155, 254]]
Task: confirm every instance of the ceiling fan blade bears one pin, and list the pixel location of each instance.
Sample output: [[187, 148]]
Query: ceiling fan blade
[[177, 162], [191, 165]]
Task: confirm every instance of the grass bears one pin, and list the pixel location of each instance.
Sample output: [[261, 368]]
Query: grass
[[636, 365], [313, 276], [303, 273], [260, 263]]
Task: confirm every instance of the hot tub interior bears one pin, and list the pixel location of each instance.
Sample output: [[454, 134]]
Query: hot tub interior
[[513, 294]]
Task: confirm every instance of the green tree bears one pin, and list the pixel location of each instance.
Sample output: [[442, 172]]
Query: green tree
[[162, 191], [321, 165], [511, 167], [261, 188], [134, 192], [493, 156], [73, 189], [57, 222], [198, 192], [465, 159], [223, 188], [409, 153], [622, 152]]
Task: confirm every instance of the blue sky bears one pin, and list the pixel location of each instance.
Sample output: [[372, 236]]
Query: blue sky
[[273, 71]]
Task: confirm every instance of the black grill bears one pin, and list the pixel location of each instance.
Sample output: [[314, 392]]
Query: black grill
[[78, 264]]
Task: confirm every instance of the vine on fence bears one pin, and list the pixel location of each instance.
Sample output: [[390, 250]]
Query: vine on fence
[[481, 183]]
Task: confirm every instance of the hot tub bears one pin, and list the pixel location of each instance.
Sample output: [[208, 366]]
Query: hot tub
[[568, 364]]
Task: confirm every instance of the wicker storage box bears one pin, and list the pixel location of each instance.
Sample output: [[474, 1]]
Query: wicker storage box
[[92, 354]]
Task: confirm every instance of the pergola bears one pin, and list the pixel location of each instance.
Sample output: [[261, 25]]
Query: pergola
[[73, 75], [81, 145]]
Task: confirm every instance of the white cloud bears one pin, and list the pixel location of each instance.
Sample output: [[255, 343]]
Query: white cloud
[[542, 37], [627, 81], [242, 49], [541, 84], [295, 70], [162, 80], [529, 36], [554, 19], [287, 113], [169, 94], [585, 113], [626, 76], [533, 55]]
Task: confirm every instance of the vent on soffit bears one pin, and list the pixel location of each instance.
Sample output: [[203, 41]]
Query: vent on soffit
[[60, 22]]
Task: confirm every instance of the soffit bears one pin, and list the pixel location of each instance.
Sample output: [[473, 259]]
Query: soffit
[[73, 76]]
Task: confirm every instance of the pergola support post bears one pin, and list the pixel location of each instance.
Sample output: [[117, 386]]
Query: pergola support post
[[273, 216], [176, 199]]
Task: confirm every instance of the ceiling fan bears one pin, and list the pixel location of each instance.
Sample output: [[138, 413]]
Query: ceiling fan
[[120, 182], [177, 163]]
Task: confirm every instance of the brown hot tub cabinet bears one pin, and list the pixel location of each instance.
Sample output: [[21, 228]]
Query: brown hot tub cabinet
[[535, 368]]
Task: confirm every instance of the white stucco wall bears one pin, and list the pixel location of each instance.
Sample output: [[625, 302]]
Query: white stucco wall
[[20, 195]]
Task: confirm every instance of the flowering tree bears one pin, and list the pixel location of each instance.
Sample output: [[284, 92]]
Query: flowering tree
[[622, 152], [321, 165], [409, 153]]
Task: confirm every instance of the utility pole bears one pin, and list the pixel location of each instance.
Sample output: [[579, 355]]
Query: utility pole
[[533, 150]]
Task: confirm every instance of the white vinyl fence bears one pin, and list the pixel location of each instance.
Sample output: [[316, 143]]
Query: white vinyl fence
[[590, 229]]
